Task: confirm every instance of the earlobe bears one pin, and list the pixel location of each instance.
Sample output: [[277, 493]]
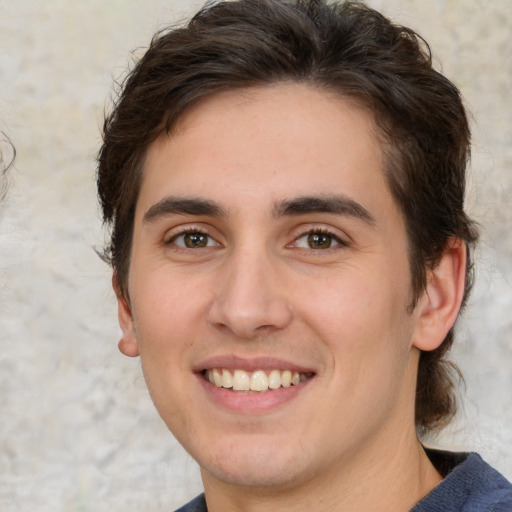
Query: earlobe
[[441, 300], [128, 342]]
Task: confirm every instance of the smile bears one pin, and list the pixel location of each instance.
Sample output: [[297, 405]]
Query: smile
[[259, 380]]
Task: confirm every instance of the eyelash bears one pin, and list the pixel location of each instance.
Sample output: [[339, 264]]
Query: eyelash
[[189, 231], [321, 231], [339, 243]]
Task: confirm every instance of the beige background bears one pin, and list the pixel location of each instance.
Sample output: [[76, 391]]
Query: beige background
[[77, 429]]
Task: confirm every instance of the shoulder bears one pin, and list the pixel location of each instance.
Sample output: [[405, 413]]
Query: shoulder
[[198, 504], [470, 485]]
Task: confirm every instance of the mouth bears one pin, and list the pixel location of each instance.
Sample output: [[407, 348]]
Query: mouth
[[259, 381]]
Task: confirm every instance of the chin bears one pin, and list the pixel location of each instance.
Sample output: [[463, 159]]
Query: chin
[[258, 467], [255, 476]]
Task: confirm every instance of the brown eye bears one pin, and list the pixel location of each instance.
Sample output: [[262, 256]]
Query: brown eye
[[193, 240], [320, 241], [317, 240]]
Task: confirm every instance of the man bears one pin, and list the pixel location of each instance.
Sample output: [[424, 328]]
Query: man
[[285, 185]]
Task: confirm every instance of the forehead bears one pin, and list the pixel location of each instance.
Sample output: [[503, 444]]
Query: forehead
[[270, 142]]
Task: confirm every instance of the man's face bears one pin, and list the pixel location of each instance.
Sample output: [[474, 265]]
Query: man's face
[[266, 246]]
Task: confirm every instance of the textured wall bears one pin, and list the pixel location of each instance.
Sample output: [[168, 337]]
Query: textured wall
[[77, 429]]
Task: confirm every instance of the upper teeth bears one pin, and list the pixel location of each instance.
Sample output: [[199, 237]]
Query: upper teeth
[[240, 380]]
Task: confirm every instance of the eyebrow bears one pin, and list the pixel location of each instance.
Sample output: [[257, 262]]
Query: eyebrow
[[337, 204], [183, 206]]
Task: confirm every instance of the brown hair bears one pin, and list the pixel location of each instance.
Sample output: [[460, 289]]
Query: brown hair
[[347, 48]]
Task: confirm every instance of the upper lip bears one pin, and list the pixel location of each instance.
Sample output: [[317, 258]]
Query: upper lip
[[250, 364]]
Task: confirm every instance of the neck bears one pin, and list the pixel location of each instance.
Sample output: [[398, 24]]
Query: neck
[[383, 477]]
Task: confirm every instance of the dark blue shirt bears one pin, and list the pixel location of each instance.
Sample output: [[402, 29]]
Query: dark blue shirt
[[469, 485]]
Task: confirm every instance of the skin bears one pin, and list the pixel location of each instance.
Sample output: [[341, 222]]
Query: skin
[[255, 288]]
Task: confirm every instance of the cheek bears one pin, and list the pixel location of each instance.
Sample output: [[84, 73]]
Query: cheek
[[362, 320], [169, 311], [162, 332], [168, 301], [353, 302]]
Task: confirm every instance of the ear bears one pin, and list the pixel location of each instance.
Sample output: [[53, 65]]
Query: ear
[[128, 342], [441, 300]]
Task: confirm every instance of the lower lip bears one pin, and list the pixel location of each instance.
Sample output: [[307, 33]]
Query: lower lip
[[252, 402]]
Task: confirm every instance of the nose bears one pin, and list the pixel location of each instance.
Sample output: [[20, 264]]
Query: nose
[[250, 299]]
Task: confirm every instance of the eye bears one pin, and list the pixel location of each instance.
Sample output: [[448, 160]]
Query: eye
[[193, 240], [317, 240]]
